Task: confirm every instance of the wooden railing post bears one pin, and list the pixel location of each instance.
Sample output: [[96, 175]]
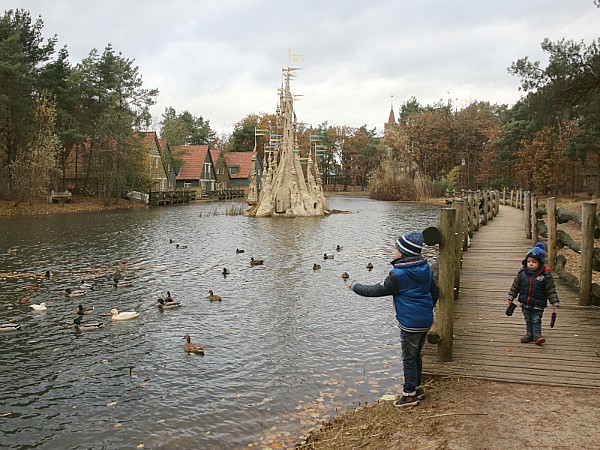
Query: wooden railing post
[[485, 207], [472, 216], [496, 203], [527, 215], [512, 198], [459, 205], [476, 210], [534, 226], [588, 225], [446, 262], [552, 251]]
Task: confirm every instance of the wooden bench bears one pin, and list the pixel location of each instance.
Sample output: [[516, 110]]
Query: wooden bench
[[60, 197]]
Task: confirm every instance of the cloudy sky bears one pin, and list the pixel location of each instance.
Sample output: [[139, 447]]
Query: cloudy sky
[[222, 59]]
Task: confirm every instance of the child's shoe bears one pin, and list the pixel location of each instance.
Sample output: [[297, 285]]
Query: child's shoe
[[539, 340], [407, 400], [420, 393], [527, 339]]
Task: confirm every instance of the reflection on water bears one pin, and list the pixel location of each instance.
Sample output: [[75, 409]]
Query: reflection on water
[[284, 348]]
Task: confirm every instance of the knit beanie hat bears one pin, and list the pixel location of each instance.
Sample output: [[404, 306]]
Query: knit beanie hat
[[410, 244], [538, 252]]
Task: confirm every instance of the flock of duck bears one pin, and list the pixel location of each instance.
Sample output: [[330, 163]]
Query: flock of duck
[[163, 303]]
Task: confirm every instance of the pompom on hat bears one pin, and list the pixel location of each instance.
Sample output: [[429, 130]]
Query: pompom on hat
[[410, 244], [538, 252]]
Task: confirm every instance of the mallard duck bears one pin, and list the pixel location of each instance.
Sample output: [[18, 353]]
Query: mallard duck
[[190, 347], [225, 271], [171, 241], [180, 246], [326, 256], [345, 275], [86, 285], [81, 310], [120, 284], [126, 315], [86, 326], [163, 304], [338, 247], [40, 307], [167, 297], [9, 327], [74, 293], [212, 297], [369, 266], [239, 250], [316, 266], [23, 300], [256, 262], [32, 288]]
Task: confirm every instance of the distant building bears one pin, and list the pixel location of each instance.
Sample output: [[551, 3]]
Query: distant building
[[238, 167], [197, 170]]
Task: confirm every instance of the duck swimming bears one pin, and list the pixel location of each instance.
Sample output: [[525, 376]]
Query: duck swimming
[[74, 293], [81, 310], [190, 347], [119, 284], [126, 315], [10, 327], [40, 307], [345, 275], [180, 246], [239, 250], [369, 266], [316, 266], [225, 271], [213, 298], [256, 262], [86, 285], [86, 326], [338, 247], [326, 256], [163, 304]]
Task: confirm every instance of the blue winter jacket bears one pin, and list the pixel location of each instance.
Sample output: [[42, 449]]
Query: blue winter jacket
[[533, 290], [414, 290]]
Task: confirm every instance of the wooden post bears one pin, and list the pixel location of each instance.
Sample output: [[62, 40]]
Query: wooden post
[[588, 224], [496, 203], [527, 215], [534, 227], [446, 262], [504, 196], [512, 198], [521, 199], [485, 207], [470, 208], [459, 205], [552, 250], [476, 210]]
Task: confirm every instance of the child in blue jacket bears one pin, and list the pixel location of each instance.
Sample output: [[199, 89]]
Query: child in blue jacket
[[534, 287], [415, 294]]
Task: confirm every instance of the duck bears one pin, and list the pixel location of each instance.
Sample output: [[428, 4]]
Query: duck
[[40, 307], [369, 266], [190, 347], [74, 293], [11, 250], [120, 284], [86, 326], [86, 285], [180, 246], [23, 300], [316, 266], [10, 327], [326, 256], [126, 315], [239, 250], [213, 298], [167, 297], [163, 304], [32, 288], [81, 310], [338, 247], [345, 275], [171, 241], [225, 271], [256, 262], [48, 274]]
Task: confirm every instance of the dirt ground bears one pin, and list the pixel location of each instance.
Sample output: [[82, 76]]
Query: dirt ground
[[472, 414], [78, 204]]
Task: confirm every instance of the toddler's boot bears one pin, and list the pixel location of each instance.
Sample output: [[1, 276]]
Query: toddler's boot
[[539, 340], [527, 339]]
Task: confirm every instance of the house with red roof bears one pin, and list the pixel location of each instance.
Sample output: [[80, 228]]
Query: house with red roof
[[157, 164], [221, 170], [197, 170], [239, 165]]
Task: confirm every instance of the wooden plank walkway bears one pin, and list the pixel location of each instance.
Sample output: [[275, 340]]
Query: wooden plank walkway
[[487, 342]]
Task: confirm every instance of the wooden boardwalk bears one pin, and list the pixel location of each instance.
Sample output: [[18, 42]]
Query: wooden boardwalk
[[487, 342]]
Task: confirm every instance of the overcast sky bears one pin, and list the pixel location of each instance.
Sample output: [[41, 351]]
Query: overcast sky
[[222, 59]]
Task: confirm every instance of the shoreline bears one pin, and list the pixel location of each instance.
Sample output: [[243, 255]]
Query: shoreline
[[77, 205]]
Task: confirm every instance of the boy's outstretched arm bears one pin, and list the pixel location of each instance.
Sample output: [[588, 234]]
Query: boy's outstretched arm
[[514, 290], [550, 290], [389, 286]]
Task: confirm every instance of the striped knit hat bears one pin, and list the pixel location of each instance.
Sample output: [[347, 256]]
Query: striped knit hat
[[410, 244]]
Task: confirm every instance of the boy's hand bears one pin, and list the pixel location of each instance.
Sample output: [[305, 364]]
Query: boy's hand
[[555, 306], [349, 284], [509, 301]]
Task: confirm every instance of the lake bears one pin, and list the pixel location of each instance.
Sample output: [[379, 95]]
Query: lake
[[286, 348]]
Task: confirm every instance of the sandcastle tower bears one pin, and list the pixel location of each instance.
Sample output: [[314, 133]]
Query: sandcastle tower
[[288, 189]]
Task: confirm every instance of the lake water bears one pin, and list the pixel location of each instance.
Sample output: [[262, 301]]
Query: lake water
[[285, 348]]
